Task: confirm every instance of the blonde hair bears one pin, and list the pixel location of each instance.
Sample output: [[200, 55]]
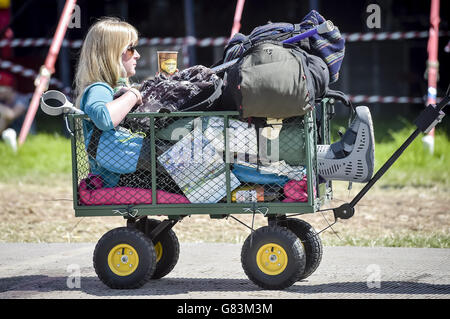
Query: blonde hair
[[101, 54]]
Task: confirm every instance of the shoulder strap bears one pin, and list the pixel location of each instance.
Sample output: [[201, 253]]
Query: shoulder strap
[[259, 123], [214, 96], [93, 142]]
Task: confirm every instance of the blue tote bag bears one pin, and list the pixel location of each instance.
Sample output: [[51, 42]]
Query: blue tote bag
[[117, 150]]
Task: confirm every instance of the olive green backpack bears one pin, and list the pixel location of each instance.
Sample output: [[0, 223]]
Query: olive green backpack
[[269, 81]]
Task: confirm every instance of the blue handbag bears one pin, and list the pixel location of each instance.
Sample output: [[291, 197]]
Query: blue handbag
[[117, 150]]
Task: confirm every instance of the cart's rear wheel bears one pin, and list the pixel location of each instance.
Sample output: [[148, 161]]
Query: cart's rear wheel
[[273, 257], [124, 258], [167, 247], [311, 243]]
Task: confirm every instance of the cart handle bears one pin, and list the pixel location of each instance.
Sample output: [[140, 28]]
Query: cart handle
[[427, 119]]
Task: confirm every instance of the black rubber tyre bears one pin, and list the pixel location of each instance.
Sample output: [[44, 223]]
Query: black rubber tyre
[[311, 243], [167, 247], [124, 258], [273, 257]]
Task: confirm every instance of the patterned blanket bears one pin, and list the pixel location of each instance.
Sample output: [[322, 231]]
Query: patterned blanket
[[172, 93], [329, 46]]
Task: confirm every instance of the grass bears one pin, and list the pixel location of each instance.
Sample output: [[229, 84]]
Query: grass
[[425, 240], [416, 166], [41, 156]]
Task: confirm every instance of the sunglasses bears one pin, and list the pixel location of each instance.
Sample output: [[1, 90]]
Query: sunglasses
[[131, 49]]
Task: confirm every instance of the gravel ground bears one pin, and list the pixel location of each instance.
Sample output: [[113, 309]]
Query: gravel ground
[[214, 271]]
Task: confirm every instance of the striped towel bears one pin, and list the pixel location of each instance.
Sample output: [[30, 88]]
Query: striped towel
[[329, 46]]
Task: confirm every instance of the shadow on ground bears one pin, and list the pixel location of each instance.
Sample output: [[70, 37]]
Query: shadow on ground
[[178, 286]]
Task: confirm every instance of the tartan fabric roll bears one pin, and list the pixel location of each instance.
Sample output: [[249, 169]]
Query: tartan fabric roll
[[329, 46]]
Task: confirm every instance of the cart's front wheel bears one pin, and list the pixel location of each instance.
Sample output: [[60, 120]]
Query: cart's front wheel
[[124, 258], [273, 257]]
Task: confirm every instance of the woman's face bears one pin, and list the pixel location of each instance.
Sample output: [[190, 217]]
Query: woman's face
[[129, 60]]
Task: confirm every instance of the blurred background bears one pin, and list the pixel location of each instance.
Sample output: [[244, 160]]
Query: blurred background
[[376, 68]]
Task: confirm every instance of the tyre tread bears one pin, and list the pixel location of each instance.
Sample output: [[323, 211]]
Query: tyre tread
[[311, 241]]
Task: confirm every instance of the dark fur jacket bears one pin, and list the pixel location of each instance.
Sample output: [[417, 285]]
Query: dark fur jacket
[[171, 93]]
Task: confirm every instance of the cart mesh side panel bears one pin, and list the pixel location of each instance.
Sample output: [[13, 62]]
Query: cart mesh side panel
[[193, 159], [267, 161], [81, 164]]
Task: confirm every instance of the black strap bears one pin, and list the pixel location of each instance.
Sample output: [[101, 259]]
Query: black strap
[[338, 149], [259, 123], [349, 137], [340, 96], [93, 142], [214, 96], [247, 44]]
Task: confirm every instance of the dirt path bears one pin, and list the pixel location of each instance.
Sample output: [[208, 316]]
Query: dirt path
[[415, 216]]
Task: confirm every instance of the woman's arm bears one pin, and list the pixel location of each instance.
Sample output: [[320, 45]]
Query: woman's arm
[[105, 112], [120, 107]]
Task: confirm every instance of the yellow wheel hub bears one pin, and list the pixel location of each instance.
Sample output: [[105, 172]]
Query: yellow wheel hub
[[159, 251], [271, 259], [123, 260]]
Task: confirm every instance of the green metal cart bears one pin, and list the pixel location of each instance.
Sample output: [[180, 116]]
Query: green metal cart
[[273, 257]]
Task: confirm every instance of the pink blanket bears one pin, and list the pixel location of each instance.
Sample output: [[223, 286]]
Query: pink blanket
[[91, 193], [296, 191]]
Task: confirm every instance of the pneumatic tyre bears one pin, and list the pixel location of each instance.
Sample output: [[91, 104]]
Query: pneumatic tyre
[[273, 257], [311, 243], [167, 247], [124, 258]]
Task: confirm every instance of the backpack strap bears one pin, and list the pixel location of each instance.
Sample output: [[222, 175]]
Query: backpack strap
[[259, 123], [247, 44], [93, 142], [208, 101]]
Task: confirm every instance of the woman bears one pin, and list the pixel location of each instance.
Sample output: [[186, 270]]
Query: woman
[[108, 59]]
